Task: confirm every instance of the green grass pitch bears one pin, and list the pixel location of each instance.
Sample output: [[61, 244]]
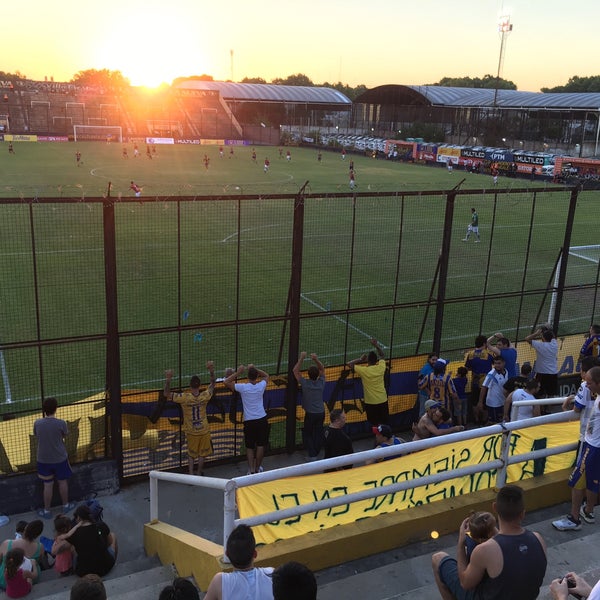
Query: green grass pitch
[[383, 249]]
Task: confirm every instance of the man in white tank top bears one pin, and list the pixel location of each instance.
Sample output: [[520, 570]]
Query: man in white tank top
[[246, 582]]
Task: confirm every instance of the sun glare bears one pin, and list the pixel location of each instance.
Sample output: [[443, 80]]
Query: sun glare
[[168, 49]]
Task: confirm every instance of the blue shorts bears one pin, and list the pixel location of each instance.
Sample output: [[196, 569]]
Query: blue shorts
[[448, 572], [51, 471], [588, 466]]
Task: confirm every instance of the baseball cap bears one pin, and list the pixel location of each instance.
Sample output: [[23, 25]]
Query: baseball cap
[[384, 430], [432, 404]]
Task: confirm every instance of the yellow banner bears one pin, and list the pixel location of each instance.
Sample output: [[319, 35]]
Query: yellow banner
[[9, 137], [295, 491]]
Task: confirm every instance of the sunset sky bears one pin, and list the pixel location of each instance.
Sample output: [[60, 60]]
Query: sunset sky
[[371, 42]]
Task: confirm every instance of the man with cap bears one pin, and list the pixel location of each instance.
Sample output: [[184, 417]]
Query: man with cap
[[384, 437], [439, 385], [428, 424]]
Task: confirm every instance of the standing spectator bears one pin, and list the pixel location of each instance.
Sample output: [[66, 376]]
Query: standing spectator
[[294, 581], [52, 458], [512, 564], [439, 385], [503, 348], [490, 407], [587, 467], [312, 403], [479, 362], [461, 401], [256, 425], [372, 376], [422, 395], [519, 382], [246, 580], [546, 361], [591, 346], [337, 441], [195, 422]]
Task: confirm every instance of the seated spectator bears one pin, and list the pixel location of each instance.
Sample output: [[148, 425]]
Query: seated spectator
[[294, 581], [30, 545], [95, 545], [560, 590], [19, 573], [180, 589], [89, 587], [246, 580], [62, 550]]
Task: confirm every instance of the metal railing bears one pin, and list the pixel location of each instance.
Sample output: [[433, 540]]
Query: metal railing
[[229, 486]]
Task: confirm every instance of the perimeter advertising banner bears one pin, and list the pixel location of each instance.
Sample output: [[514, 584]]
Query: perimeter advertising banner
[[9, 137], [294, 491]]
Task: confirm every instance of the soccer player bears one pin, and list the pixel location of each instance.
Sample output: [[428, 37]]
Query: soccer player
[[137, 190], [267, 165], [78, 158], [195, 424], [473, 227], [352, 180]]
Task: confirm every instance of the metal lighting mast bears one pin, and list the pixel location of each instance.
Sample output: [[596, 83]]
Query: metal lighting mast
[[504, 27]]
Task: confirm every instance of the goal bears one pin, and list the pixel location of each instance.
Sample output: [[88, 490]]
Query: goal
[[98, 133]]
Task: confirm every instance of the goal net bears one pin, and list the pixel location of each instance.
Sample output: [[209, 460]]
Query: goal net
[[583, 269], [100, 133]]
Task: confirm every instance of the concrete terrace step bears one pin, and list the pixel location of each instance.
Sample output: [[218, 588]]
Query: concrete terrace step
[[406, 572], [126, 580]]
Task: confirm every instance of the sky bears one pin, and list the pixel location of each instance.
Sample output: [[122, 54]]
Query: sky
[[375, 42]]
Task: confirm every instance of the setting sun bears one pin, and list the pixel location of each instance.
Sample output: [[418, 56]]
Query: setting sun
[[168, 48]]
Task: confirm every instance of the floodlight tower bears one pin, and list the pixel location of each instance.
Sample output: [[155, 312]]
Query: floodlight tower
[[504, 27]]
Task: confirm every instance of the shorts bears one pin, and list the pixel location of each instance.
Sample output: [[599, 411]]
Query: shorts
[[460, 407], [378, 413], [495, 413], [448, 573], [199, 444], [51, 471], [586, 473], [473, 229], [256, 433]]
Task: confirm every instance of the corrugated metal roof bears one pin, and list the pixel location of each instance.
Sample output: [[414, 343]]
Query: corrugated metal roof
[[453, 96], [268, 92]]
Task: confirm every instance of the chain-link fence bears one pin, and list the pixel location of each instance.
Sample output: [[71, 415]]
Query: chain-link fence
[[100, 296]]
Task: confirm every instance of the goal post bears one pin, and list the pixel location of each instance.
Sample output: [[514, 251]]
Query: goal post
[[98, 133]]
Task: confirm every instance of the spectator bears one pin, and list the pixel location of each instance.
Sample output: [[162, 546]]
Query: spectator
[[52, 457], [428, 425], [422, 395], [512, 564], [587, 467], [546, 363], [61, 550], [312, 403], [384, 437], [490, 408], [460, 402], [372, 376], [95, 545], [195, 423], [513, 383], [246, 580], [439, 385], [479, 362], [591, 346], [560, 590], [180, 589], [481, 527], [256, 425], [503, 348], [294, 581], [89, 587], [29, 543], [522, 412], [337, 442], [19, 573]]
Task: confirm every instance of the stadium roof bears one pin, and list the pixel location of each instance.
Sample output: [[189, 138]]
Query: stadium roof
[[265, 92], [434, 95]]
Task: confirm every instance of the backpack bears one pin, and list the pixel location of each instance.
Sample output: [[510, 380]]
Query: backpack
[[96, 510]]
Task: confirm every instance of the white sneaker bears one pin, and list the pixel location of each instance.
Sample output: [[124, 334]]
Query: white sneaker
[[260, 469], [567, 524], [477, 241], [465, 239], [587, 517]]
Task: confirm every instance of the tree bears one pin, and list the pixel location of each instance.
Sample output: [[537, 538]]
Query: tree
[[111, 80], [350, 92], [297, 79], [490, 82], [576, 84], [16, 75], [253, 80]]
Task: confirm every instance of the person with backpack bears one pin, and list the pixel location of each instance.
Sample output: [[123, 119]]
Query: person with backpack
[[95, 545]]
